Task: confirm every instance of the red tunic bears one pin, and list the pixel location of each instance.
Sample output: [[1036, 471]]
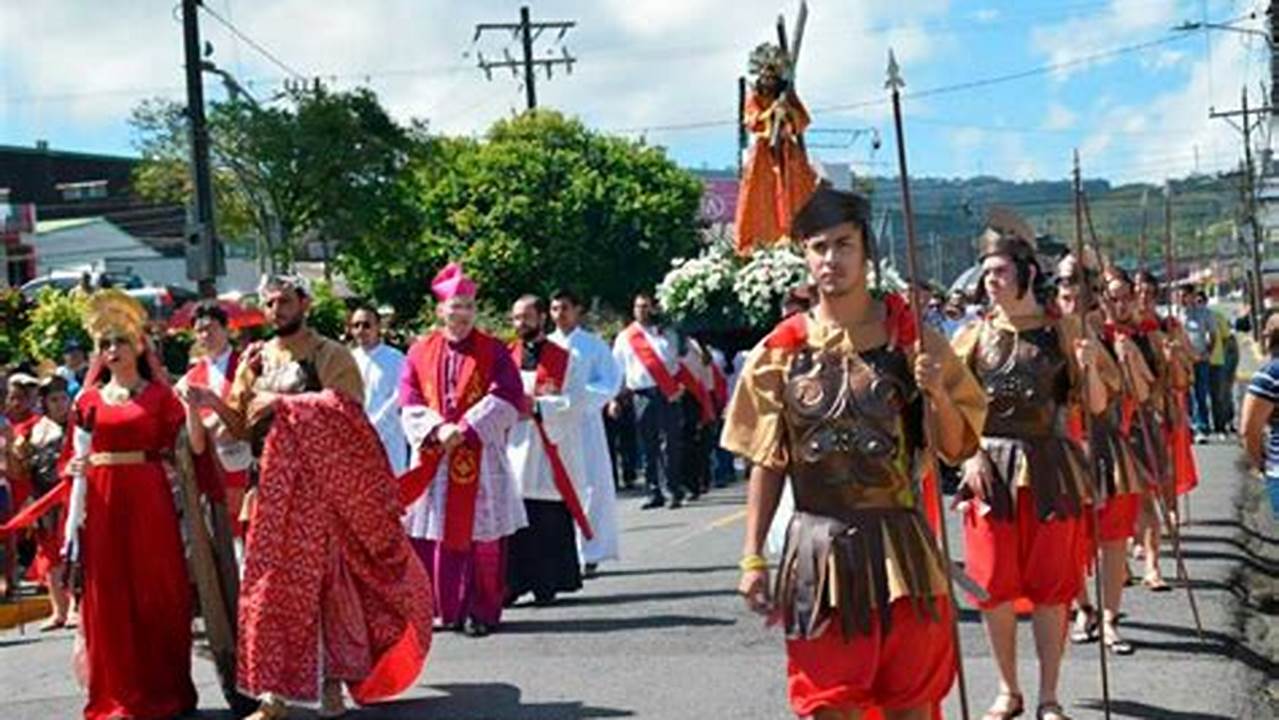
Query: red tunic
[[136, 608]]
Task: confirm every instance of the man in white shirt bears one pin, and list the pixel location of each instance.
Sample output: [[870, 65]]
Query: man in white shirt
[[603, 378], [380, 367], [649, 361]]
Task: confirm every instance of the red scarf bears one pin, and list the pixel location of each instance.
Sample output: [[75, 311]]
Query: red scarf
[[552, 368], [470, 386], [638, 340]]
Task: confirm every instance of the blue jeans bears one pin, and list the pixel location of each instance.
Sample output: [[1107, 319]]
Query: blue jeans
[[1272, 489], [1200, 393]]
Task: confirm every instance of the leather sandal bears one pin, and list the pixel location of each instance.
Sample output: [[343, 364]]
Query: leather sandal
[[1085, 625], [332, 704], [272, 709], [1155, 583], [1115, 643], [1051, 711], [1015, 707]]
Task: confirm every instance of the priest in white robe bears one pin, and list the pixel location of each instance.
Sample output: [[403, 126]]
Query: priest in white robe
[[594, 361], [544, 451], [380, 367]]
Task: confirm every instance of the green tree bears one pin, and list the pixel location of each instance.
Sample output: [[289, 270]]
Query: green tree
[[321, 166], [56, 318], [541, 202]]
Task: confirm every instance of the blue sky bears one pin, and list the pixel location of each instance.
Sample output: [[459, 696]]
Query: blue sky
[[71, 69]]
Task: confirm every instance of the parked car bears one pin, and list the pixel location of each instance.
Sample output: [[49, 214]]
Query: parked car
[[159, 300]]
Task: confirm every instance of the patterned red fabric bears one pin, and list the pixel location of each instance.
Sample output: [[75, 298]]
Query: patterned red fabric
[[327, 565]]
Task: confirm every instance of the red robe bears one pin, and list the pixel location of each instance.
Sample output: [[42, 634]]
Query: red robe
[[328, 567], [136, 609]]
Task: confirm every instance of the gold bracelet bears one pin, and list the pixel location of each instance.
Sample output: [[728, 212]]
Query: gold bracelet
[[752, 563]]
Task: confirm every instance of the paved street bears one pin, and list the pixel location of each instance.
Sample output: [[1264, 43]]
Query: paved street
[[662, 635]]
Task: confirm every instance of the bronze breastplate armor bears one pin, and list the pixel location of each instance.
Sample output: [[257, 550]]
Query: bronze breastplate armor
[[853, 422], [1025, 378]]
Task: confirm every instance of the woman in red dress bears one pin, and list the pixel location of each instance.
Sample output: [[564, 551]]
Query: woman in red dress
[[122, 527]]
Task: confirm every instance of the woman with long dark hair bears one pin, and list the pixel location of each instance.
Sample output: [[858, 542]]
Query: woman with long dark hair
[[122, 526]]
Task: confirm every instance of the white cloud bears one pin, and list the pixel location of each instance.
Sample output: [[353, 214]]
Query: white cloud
[[1122, 22], [642, 62], [1159, 138], [1059, 117]]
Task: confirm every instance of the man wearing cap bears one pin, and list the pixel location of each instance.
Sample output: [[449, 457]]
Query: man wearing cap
[[380, 367], [460, 393]]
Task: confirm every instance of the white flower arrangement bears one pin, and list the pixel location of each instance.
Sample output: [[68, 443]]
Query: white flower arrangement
[[694, 287], [764, 281]]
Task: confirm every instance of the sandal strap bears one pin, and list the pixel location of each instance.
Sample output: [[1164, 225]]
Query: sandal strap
[[1051, 709]]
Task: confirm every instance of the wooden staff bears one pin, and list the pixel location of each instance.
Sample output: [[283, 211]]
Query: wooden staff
[[895, 84], [1169, 514], [1082, 303]]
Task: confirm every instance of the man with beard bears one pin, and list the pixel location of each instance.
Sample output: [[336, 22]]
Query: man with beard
[[332, 593], [545, 453], [460, 394], [601, 381]]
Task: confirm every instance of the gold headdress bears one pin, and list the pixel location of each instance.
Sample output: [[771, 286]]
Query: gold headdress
[[114, 312], [1007, 234]]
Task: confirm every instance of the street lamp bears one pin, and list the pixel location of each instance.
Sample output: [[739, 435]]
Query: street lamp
[[1189, 26]]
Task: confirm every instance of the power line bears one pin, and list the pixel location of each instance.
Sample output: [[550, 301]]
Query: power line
[[237, 32], [527, 32], [930, 92]]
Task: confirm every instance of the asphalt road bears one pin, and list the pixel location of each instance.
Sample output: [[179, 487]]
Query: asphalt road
[[663, 635]]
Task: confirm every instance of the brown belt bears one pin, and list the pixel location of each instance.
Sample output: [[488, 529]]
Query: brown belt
[[134, 457]]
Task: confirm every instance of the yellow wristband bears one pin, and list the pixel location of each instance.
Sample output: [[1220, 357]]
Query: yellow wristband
[[751, 563]]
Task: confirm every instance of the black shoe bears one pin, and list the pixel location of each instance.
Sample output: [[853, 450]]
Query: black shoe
[[543, 599], [653, 503], [676, 503], [590, 570], [477, 629]]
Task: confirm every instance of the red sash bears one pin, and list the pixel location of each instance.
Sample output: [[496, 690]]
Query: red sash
[[471, 385], [552, 367], [698, 391], [651, 362], [721, 386], [210, 476]]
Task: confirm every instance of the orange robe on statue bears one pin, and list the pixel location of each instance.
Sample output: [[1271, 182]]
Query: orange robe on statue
[[775, 183]]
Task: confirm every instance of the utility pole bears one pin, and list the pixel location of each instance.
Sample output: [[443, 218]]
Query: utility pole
[[204, 253], [1257, 286], [527, 32]]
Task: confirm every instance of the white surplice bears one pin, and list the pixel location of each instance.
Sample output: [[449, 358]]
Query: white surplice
[[381, 368], [524, 448], [603, 380]]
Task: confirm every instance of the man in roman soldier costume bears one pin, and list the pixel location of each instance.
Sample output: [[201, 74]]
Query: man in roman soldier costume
[[459, 395], [776, 178], [545, 451], [333, 594], [1024, 494], [834, 399], [1173, 368], [1119, 484]]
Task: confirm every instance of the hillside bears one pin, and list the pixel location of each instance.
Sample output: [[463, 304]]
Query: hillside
[[949, 213]]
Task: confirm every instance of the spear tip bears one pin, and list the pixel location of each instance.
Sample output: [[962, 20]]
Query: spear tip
[[894, 81]]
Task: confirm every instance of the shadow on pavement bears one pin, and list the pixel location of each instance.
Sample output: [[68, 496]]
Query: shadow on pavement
[[625, 598], [1214, 643], [1134, 709], [608, 625], [1240, 527], [703, 570], [495, 701]]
